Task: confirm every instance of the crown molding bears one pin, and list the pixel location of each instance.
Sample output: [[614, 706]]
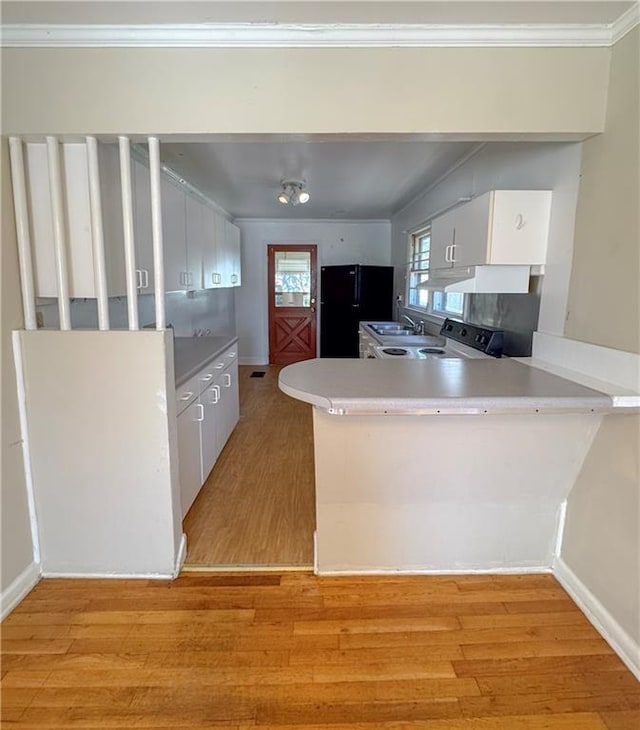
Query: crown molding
[[257, 35], [625, 23]]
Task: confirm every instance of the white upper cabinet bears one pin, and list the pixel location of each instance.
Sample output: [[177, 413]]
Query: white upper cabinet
[[501, 227], [201, 248], [195, 242], [174, 236], [233, 247], [142, 227], [77, 211], [442, 236], [224, 267], [210, 269]]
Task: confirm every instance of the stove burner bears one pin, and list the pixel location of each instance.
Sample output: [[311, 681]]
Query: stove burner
[[394, 351], [431, 351]]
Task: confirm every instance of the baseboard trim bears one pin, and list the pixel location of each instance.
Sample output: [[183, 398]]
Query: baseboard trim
[[624, 645], [19, 588], [346, 572], [107, 575], [257, 361], [181, 557]]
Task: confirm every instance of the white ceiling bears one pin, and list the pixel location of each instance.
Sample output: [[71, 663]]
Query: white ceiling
[[314, 11], [346, 179]]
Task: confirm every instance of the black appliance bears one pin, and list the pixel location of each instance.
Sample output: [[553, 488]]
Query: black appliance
[[485, 339], [349, 294]]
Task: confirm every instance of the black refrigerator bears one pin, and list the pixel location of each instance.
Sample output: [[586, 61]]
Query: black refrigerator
[[349, 294]]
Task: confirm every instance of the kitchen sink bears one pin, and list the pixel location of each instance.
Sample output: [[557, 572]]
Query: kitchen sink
[[392, 328], [394, 333]]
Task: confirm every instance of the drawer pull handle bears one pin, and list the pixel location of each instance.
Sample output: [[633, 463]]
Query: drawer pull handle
[[200, 416], [219, 365], [215, 394], [186, 396], [227, 380], [206, 378]]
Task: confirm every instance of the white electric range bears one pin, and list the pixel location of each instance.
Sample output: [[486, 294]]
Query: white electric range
[[459, 340]]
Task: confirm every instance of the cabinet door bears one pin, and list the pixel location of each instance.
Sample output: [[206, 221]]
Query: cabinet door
[[442, 233], [230, 401], [471, 235], [210, 269], [111, 195], [234, 253], [77, 210], [520, 227], [189, 454], [224, 251], [142, 226], [174, 236], [195, 242], [211, 446]]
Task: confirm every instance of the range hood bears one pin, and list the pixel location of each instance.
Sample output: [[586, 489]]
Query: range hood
[[480, 280]]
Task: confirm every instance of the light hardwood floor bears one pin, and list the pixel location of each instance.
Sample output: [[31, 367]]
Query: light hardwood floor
[[273, 650], [258, 505]]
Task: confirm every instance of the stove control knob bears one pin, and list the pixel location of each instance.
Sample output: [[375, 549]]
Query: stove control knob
[[463, 332]]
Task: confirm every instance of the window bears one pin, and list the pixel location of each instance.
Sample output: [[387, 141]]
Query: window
[[447, 303], [418, 268], [440, 304]]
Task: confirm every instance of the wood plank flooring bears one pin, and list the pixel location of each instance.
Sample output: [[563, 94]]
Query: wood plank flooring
[[258, 505], [293, 650]]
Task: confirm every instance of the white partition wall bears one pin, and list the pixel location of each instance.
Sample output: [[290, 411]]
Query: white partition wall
[[100, 411]]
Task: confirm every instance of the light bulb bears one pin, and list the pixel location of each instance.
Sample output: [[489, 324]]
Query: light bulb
[[303, 196], [284, 198]]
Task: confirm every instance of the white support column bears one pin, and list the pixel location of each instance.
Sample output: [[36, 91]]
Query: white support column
[[59, 232], [156, 222], [22, 230], [97, 235], [127, 223]]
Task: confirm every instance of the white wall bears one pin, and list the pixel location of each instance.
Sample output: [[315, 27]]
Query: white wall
[[100, 412], [339, 242], [516, 166], [212, 309]]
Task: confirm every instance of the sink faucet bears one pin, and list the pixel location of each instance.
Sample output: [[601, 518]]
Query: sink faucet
[[418, 327], [410, 321]]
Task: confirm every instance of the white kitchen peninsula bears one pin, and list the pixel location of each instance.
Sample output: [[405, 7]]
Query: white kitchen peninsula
[[442, 465]]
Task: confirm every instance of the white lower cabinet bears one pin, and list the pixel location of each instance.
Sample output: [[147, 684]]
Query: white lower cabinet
[[189, 423], [204, 426]]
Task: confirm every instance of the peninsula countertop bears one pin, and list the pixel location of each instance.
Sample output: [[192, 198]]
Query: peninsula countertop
[[436, 386], [193, 353]]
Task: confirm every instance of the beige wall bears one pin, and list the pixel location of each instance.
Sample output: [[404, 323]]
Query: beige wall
[[606, 258], [17, 550], [602, 536], [438, 90]]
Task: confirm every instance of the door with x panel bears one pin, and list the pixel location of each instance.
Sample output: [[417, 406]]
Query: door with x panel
[[292, 303]]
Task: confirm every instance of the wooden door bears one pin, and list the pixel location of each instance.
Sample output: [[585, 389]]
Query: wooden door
[[292, 303]]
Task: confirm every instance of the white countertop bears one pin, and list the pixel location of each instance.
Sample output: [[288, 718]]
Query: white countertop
[[193, 353], [436, 386]]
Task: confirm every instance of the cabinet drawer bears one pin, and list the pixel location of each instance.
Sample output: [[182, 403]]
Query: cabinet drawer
[[230, 356], [187, 393]]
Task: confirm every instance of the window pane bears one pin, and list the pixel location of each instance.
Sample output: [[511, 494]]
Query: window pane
[[293, 279], [448, 303]]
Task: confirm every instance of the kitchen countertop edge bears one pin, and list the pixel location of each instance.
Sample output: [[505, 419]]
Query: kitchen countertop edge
[[306, 387]]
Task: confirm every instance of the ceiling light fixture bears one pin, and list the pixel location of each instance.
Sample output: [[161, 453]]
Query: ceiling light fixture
[[293, 193]]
